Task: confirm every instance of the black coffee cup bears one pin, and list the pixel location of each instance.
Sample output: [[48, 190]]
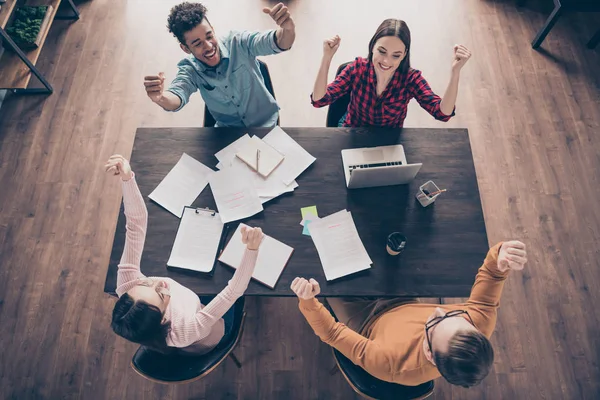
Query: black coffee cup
[[396, 243]]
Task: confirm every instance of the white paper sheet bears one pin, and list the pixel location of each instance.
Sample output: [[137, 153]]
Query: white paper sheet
[[339, 247], [182, 185], [226, 154], [273, 256], [235, 196], [268, 197], [266, 188], [197, 241], [309, 217], [296, 158]]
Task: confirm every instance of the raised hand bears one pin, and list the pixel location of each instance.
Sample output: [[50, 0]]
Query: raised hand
[[118, 165], [331, 45], [513, 255], [281, 15], [460, 57], [155, 85], [252, 237], [305, 289]]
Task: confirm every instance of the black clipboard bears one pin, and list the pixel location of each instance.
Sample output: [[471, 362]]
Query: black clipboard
[[220, 247]]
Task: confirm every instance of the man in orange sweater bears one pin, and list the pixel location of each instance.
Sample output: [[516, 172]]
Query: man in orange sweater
[[414, 343]]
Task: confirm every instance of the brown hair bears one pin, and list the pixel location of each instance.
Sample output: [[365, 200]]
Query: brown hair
[[399, 29], [140, 322], [468, 360]]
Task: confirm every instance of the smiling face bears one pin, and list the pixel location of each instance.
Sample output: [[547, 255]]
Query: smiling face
[[388, 53], [389, 48], [152, 291], [202, 43]]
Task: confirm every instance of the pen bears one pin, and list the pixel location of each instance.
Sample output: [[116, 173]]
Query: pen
[[434, 193], [257, 158]]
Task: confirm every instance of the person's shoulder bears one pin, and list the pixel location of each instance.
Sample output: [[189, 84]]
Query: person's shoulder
[[413, 74], [230, 35], [239, 35], [412, 78], [360, 62], [357, 66], [187, 62]]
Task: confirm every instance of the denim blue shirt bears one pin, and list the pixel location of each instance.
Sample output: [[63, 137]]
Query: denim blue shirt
[[234, 90]]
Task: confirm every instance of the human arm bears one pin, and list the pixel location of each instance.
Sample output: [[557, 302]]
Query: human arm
[[330, 46], [201, 324], [154, 85], [461, 56], [489, 282], [360, 350], [286, 33], [136, 217]]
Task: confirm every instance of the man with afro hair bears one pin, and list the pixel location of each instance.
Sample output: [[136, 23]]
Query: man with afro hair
[[225, 70]]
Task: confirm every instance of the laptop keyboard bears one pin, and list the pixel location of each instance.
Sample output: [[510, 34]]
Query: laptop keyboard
[[385, 164]]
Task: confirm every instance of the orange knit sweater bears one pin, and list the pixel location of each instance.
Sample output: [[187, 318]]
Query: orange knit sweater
[[392, 347]]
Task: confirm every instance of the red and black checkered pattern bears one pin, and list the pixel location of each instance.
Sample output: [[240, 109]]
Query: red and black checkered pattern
[[389, 110]]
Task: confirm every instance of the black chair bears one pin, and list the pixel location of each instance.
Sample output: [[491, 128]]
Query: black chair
[[209, 120], [180, 367], [372, 388], [338, 108], [561, 6]]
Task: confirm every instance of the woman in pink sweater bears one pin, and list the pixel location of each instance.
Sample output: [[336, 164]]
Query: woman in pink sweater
[[159, 312]]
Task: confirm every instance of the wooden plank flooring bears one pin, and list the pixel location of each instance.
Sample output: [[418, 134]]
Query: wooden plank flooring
[[534, 121]]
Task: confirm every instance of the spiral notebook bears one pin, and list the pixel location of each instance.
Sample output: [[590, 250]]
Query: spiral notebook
[[200, 235], [273, 256]]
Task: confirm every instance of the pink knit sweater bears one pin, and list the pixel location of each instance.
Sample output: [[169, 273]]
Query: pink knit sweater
[[193, 325]]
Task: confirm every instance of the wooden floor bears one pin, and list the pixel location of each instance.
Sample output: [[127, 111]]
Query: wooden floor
[[534, 121]]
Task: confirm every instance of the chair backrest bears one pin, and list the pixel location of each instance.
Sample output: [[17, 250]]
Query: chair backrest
[[209, 121], [370, 387], [180, 367], [338, 108]]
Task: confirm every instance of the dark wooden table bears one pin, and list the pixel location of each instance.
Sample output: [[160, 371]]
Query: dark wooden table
[[446, 242]]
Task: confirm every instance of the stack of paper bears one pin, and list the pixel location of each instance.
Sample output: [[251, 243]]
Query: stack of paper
[[182, 185], [282, 178], [239, 190], [266, 188], [340, 249]]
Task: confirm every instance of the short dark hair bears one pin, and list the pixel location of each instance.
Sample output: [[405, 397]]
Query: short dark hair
[[140, 322], [184, 17], [468, 360], [399, 29]]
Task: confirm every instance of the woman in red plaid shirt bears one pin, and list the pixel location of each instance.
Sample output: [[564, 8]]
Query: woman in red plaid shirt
[[381, 86]]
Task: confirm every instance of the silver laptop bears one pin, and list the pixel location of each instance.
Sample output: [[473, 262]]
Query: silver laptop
[[377, 166]]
